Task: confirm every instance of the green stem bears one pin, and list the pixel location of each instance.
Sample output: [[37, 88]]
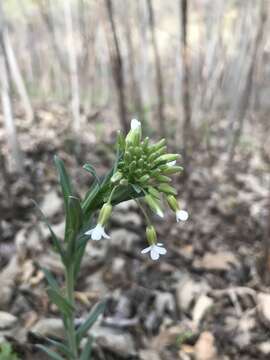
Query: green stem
[[71, 333]]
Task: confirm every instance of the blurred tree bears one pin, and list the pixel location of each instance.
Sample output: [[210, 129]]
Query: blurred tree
[[135, 91], [159, 80], [241, 106], [6, 100], [117, 66], [186, 109], [73, 69]]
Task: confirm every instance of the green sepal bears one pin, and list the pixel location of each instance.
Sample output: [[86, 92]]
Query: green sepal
[[53, 355], [91, 319], [86, 353], [62, 303]]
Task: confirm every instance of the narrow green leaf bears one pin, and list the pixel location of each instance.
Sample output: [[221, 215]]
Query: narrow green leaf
[[75, 213], [63, 304], [89, 168], [60, 347], [64, 179], [91, 319], [53, 355], [51, 279], [86, 353], [56, 242]]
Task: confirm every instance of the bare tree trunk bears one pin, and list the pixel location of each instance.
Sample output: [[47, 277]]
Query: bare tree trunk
[[7, 110], [159, 81], [74, 80], [117, 65], [143, 73], [185, 84], [135, 93], [242, 106], [17, 76], [44, 7]]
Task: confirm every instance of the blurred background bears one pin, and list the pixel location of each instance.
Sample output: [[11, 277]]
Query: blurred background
[[72, 73]]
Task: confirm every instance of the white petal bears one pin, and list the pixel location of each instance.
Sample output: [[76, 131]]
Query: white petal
[[171, 163], [135, 124], [89, 232], [161, 250], [159, 244], [146, 250], [181, 215], [106, 236], [154, 253]]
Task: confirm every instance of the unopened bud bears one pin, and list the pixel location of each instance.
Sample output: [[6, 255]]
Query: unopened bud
[[163, 179], [116, 177], [154, 205], [154, 192], [167, 189], [144, 178], [169, 170], [135, 133]]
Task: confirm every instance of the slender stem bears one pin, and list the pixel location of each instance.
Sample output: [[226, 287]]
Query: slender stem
[[148, 221], [71, 333]]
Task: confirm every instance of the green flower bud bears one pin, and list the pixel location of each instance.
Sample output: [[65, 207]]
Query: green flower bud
[[154, 192], [173, 203], [117, 176], [141, 163], [135, 133], [155, 172], [133, 166], [157, 146], [169, 170], [124, 182], [104, 214], [156, 154], [167, 189], [144, 179], [163, 179], [145, 143], [151, 235], [138, 151], [166, 158], [153, 204]]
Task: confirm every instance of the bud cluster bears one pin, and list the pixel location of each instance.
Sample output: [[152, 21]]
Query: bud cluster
[[148, 168]]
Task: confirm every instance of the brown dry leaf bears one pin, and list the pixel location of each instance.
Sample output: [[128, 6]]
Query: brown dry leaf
[[221, 261], [263, 301], [205, 348], [37, 279]]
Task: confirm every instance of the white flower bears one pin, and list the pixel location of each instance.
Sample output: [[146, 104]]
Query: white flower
[[171, 163], [135, 124], [97, 233], [181, 215], [155, 251]]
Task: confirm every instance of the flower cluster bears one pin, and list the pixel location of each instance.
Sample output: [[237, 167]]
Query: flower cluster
[[146, 168]]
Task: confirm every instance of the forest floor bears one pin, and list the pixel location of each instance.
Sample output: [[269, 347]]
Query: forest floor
[[204, 300]]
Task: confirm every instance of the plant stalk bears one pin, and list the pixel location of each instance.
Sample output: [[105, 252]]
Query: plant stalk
[[70, 330]]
